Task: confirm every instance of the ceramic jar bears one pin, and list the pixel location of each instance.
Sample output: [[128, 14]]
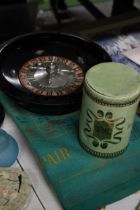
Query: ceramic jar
[[110, 99]]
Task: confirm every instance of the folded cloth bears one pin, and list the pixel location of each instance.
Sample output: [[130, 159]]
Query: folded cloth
[[81, 181]]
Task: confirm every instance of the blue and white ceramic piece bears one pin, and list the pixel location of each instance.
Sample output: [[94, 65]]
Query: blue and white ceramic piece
[[8, 149]]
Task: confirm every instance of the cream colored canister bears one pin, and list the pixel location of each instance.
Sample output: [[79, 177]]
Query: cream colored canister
[[110, 99]]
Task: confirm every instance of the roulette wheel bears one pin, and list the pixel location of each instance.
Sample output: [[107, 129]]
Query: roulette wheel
[[44, 71]]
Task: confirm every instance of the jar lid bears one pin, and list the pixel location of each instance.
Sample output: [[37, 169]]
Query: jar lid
[[113, 83]]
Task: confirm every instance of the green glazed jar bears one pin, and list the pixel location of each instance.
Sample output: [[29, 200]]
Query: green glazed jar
[[110, 99]]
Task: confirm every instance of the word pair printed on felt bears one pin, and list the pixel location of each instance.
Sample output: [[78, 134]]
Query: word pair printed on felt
[[57, 156]]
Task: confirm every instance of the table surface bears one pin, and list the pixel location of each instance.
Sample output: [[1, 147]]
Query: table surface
[[43, 196]]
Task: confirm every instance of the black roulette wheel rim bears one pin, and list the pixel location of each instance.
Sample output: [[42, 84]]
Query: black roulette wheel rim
[[17, 52]]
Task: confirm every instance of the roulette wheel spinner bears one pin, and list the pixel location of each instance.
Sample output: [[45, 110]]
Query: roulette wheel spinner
[[44, 72], [51, 76]]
